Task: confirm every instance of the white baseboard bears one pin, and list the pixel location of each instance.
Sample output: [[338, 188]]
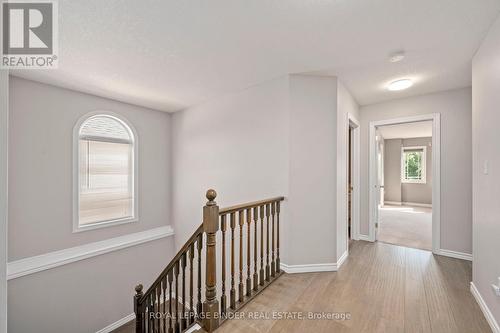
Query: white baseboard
[[311, 268], [342, 258], [406, 203], [486, 311], [292, 269], [364, 238], [416, 204], [193, 328], [117, 324], [394, 203], [454, 254], [54, 259], [131, 316]]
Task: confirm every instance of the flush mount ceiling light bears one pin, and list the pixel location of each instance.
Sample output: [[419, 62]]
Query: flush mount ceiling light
[[400, 85]]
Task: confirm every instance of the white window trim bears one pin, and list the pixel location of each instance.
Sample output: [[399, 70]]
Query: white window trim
[[424, 166], [76, 174]]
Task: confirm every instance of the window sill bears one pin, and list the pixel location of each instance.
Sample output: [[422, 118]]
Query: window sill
[[104, 224], [423, 182]]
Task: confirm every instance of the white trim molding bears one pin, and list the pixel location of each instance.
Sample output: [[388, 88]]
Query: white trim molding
[[394, 203], [342, 258], [405, 203], [312, 268], [120, 322], [365, 238], [484, 307], [356, 192], [54, 259], [454, 254], [416, 204], [117, 324]]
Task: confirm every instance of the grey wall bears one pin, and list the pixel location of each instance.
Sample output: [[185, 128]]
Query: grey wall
[[406, 192], [276, 138], [4, 127], [455, 108], [345, 105], [392, 170], [87, 295], [486, 192], [313, 169], [236, 144], [41, 123]]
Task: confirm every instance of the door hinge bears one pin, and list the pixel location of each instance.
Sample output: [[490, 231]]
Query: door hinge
[[376, 224]]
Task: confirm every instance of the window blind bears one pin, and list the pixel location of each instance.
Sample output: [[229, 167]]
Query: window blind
[[105, 172]]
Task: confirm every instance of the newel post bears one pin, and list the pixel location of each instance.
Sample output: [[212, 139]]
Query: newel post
[[137, 309], [210, 227]]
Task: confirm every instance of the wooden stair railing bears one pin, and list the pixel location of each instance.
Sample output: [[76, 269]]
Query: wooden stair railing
[[159, 310]]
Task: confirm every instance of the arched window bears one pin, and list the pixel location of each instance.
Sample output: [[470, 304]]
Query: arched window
[[106, 172]]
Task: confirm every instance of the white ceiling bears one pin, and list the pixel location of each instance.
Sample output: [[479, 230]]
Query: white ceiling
[[169, 55], [422, 129]]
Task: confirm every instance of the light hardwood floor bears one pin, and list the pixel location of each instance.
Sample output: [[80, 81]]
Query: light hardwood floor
[[385, 288]]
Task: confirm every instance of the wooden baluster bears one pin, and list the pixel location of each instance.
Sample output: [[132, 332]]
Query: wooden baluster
[[170, 299], [183, 314], [199, 244], [232, 293], [261, 272], [157, 309], [138, 309], [223, 297], [249, 254], [191, 301], [273, 263], [278, 263], [268, 268], [176, 273], [164, 284], [255, 275], [210, 227], [240, 285], [152, 310]]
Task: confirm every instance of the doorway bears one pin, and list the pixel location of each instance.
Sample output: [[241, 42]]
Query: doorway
[[352, 178], [404, 181]]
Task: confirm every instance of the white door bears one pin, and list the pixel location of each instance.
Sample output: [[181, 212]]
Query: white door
[[379, 193]]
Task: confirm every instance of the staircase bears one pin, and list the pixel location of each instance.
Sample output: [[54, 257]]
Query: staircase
[[169, 305]]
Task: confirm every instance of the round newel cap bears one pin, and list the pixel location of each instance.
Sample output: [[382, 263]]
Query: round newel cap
[[211, 195], [138, 288]]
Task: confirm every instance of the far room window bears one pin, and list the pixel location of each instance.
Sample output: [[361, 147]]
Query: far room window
[[413, 165], [106, 173]]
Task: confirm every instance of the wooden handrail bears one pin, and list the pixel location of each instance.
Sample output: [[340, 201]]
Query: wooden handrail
[[237, 208], [263, 215], [173, 262]]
